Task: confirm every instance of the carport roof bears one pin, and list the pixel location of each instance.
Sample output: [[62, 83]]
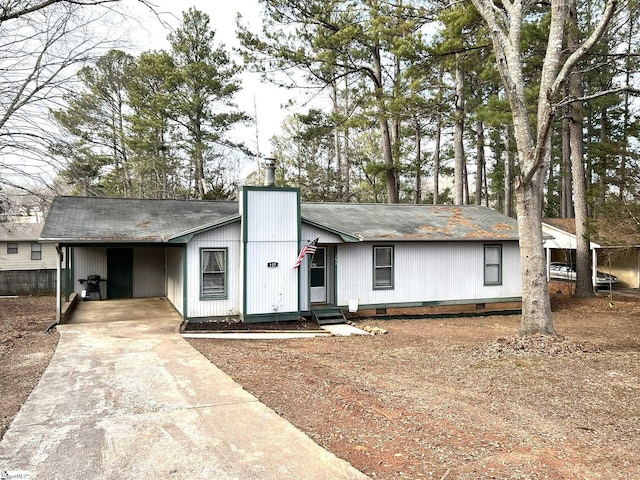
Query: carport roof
[[120, 220]]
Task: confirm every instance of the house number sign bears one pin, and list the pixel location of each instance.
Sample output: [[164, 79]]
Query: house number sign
[[272, 265]]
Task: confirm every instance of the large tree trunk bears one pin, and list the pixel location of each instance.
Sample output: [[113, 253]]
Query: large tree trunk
[[536, 306], [385, 132], [418, 168], [584, 279], [566, 194], [436, 159], [508, 174], [479, 161], [505, 26], [458, 144]]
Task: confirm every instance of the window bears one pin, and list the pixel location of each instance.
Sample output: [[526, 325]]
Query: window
[[493, 264], [382, 267], [214, 273], [12, 248], [36, 251]]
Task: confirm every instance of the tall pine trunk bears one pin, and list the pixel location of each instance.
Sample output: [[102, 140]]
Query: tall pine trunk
[[584, 280]]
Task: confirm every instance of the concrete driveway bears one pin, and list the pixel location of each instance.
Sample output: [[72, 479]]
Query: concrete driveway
[[125, 397]]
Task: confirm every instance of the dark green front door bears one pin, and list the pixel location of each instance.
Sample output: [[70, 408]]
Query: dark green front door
[[120, 272]]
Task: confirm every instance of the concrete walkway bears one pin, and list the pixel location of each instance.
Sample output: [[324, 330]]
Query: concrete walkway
[[125, 397]]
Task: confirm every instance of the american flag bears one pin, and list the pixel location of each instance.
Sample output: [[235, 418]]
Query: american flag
[[309, 248]]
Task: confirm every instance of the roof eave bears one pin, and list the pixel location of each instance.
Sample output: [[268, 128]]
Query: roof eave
[[187, 235], [346, 237]]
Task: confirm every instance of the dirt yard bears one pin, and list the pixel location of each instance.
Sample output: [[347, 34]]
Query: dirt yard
[[441, 398], [24, 350]]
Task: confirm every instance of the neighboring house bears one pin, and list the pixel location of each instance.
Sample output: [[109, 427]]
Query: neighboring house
[[236, 259], [27, 266]]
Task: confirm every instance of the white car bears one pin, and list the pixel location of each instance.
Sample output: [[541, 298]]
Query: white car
[[567, 271]]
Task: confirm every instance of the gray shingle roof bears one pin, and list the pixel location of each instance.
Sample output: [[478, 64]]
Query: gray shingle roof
[[17, 231], [126, 219], [143, 220], [382, 221]]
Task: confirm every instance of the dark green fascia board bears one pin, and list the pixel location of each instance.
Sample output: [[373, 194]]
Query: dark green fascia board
[[346, 237], [434, 303], [243, 188], [186, 236], [114, 244], [271, 317]]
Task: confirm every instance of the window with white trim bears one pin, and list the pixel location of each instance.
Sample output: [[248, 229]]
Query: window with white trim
[[12, 247], [382, 267], [36, 251], [493, 264], [213, 272]]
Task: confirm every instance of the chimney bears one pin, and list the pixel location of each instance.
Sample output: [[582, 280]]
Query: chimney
[[269, 172]]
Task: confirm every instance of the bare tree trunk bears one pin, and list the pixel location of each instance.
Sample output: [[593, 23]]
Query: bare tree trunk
[[346, 160], [418, 146], [385, 133], [436, 159], [479, 161], [458, 144], [536, 306], [508, 174], [566, 200], [584, 280]]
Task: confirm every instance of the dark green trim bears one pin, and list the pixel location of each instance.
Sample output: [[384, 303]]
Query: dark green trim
[[185, 237], [69, 272], [435, 303], [346, 237], [484, 267], [271, 317], [393, 267], [219, 318], [114, 244], [298, 242], [185, 281], [224, 295], [244, 233], [244, 190], [257, 188]]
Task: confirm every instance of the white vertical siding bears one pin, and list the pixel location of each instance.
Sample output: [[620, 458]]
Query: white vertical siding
[[271, 215], [271, 289], [22, 259], [224, 237], [148, 269], [90, 261], [272, 225], [175, 277], [426, 272], [148, 272]]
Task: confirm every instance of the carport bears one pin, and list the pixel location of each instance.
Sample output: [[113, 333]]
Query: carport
[[560, 244]]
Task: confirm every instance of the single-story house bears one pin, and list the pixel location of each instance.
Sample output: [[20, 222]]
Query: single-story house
[[218, 259], [27, 266]]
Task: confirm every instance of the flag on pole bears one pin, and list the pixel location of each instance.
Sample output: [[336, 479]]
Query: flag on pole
[[309, 248]]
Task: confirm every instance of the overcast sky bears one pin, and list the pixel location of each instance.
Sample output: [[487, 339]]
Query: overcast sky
[[268, 98]]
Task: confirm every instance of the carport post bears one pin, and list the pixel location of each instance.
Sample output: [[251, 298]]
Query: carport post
[[58, 282]]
